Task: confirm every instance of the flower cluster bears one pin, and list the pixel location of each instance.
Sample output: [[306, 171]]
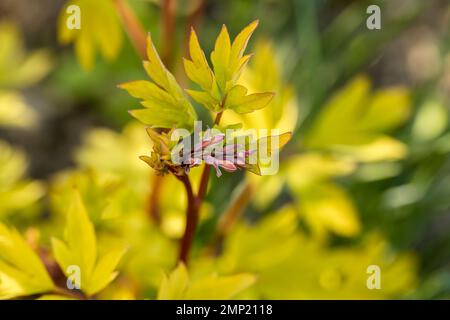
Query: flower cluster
[[210, 147]]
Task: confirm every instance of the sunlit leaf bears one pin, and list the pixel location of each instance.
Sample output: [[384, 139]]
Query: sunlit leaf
[[239, 101], [21, 271], [80, 249], [356, 121], [100, 30], [178, 285], [164, 100]]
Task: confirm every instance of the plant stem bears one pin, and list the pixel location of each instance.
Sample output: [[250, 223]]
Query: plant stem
[[191, 219], [193, 208], [74, 294], [133, 26], [240, 200], [168, 31], [153, 199]]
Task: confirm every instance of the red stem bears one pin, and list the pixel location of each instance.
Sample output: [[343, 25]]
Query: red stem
[[191, 219], [133, 26], [168, 35]]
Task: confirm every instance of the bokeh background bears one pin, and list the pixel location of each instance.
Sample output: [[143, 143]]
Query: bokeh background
[[365, 179]]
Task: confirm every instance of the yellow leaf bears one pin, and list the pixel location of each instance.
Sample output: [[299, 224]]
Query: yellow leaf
[[238, 47], [387, 109], [213, 287], [238, 100], [164, 100], [179, 286], [274, 142], [104, 270], [197, 69], [16, 192], [54, 297], [100, 30], [263, 74], [14, 111], [19, 69], [21, 270], [220, 58], [312, 167], [355, 121], [206, 99], [382, 148], [80, 249], [327, 207], [175, 285]]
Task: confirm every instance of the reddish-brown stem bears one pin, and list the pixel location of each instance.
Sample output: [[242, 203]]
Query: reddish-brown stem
[[233, 212], [153, 199], [191, 219], [194, 203], [74, 294], [168, 31], [133, 26]]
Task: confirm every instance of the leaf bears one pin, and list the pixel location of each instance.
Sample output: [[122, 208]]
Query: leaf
[[214, 287], [80, 249], [313, 167], [16, 193], [197, 69], [164, 100], [100, 30], [228, 62], [431, 121], [220, 58], [19, 69], [355, 121], [274, 142], [178, 286], [327, 207], [21, 271], [15, 112], [54, 297], [175, 285], [238, 100], [264, 75], [104, 272], [205, 98], [237, 58]]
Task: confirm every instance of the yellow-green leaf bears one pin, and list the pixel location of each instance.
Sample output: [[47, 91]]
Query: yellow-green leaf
[[327, 207], [238, 100], [99, 30], [164, 100], [237, 61], [197, 69], [220, 58], [174, 286], [80, 249], [178, 285], [21, 271], [355, 119]]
